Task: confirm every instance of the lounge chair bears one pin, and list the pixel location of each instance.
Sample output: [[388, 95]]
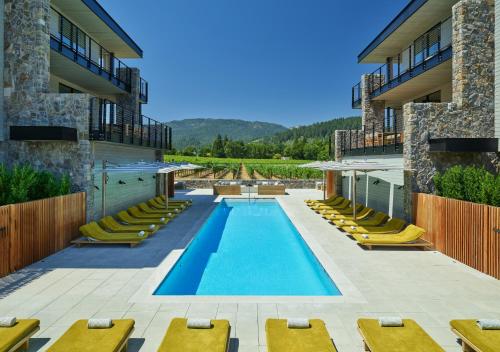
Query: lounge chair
[[474, 338], [180, 338], [180, 203], [346, 203], [82, 339], [16, 337], [348, 211], [394, 225], [147, 209], [337, 201], [129, 219], [377, 219], [315, 338], [409, 237], [321, 201], [364, 213], [187, 201], [112, 225], [138, 213], [94, 234], [407, 338]]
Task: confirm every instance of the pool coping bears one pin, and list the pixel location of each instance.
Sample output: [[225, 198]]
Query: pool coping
[[349, 292]]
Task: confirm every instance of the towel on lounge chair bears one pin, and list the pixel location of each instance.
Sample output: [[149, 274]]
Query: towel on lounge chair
[[489, 324], [298, 323], [99, 323], [197, 323], [7, 322], [390, 321]]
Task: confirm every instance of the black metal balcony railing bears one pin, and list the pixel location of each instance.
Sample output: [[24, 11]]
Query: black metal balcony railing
[[144, 90], [72, 42], [426, 52], [370, 141], [356, 96], [113, 123]]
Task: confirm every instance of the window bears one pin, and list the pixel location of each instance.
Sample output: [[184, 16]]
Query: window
[[64, 89], [430, 98]]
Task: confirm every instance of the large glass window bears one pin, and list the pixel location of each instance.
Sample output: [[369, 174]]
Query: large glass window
[[430, 98], [64, 89]]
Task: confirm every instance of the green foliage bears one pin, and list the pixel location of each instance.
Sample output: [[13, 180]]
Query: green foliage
[[23, 183], [218, 147], [471, 183]]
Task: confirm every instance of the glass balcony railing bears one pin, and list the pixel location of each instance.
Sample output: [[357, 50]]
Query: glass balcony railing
[[144, 90], [426, 52], [75, 44], [356, 96]]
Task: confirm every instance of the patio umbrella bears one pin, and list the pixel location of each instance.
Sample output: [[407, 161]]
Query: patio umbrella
[[317, 166]]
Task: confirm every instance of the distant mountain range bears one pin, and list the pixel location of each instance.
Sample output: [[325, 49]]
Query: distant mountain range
[[201, 132]]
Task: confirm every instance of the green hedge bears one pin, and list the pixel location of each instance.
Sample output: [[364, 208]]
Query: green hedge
[[471, 183], [23, 184]]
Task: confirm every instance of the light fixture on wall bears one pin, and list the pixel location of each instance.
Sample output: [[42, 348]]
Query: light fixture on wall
[[400, 187], [140, 179], [122, 182], [376, 182], [96, 187], [358, 178], [154, 176]]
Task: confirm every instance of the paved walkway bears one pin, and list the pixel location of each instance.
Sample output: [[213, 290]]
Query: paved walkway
[[99, 282]]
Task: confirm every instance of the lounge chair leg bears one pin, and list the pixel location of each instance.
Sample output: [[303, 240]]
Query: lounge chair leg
[[366, 347], [466, 347], [25, 346]]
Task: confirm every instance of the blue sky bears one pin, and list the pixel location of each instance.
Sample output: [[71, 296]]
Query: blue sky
[[291, 62]]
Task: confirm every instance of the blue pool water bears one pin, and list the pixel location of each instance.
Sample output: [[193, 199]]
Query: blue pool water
[[248, 247]]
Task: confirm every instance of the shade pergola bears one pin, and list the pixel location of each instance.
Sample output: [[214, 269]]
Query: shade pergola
[[355, 166], [154, 167], [317, 165]]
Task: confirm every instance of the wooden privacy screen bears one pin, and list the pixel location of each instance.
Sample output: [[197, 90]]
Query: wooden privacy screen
[[34, 230], [467, 232]]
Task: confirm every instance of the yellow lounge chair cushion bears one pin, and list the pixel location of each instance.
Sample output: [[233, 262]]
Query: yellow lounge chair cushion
[[484, 340], [9, 337], [376, 220], [362, 214], [82, 339], [126, 217], [138, 213], [179, 338], [282, 339], [93, 230], [411, 234], [392, 226], [408, 338], [114, 226]]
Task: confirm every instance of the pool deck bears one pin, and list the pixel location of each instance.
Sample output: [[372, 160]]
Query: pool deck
[[79, 283]]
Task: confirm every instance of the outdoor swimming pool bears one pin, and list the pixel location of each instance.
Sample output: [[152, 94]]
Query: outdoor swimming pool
[[248, 247]]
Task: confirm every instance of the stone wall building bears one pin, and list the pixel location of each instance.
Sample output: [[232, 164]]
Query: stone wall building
[[70, 102], [430, 105]]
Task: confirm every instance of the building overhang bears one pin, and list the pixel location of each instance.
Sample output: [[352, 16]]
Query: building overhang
[[91, 16], [415, 19], [463, 145], [412, 86], [43, 133]]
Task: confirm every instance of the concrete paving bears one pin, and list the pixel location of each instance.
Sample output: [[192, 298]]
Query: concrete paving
[[80, 283]]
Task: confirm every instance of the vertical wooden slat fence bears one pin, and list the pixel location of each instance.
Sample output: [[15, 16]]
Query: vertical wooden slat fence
[[34, 230], [465, 231]]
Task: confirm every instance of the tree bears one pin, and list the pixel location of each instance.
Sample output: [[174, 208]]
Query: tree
[[218, 147], [189, 151]]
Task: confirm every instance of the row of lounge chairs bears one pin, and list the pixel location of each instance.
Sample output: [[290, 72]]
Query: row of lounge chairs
[[390, 334], [370, 228], [134, 225]]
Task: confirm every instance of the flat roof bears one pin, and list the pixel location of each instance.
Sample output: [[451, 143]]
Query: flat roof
[[95, 20], [417, 17]]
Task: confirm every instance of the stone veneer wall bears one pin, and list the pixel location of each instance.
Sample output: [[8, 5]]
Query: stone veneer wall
[[471, 115], [373, 111]]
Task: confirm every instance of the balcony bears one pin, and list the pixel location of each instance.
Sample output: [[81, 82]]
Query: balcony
[[144, 91], [70, 42], [113, 123], [425, 53], [356, 96], [369, 141]]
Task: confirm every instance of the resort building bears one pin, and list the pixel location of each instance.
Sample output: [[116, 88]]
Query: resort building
[[429, 106], [70, 102]]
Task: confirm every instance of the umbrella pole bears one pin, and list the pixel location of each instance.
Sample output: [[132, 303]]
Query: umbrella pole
[[103, 189], [354, 195], [166, 191], [324, 188]]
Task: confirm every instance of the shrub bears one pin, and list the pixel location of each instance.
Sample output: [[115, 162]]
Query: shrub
[[23, 183], [472, 184]]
